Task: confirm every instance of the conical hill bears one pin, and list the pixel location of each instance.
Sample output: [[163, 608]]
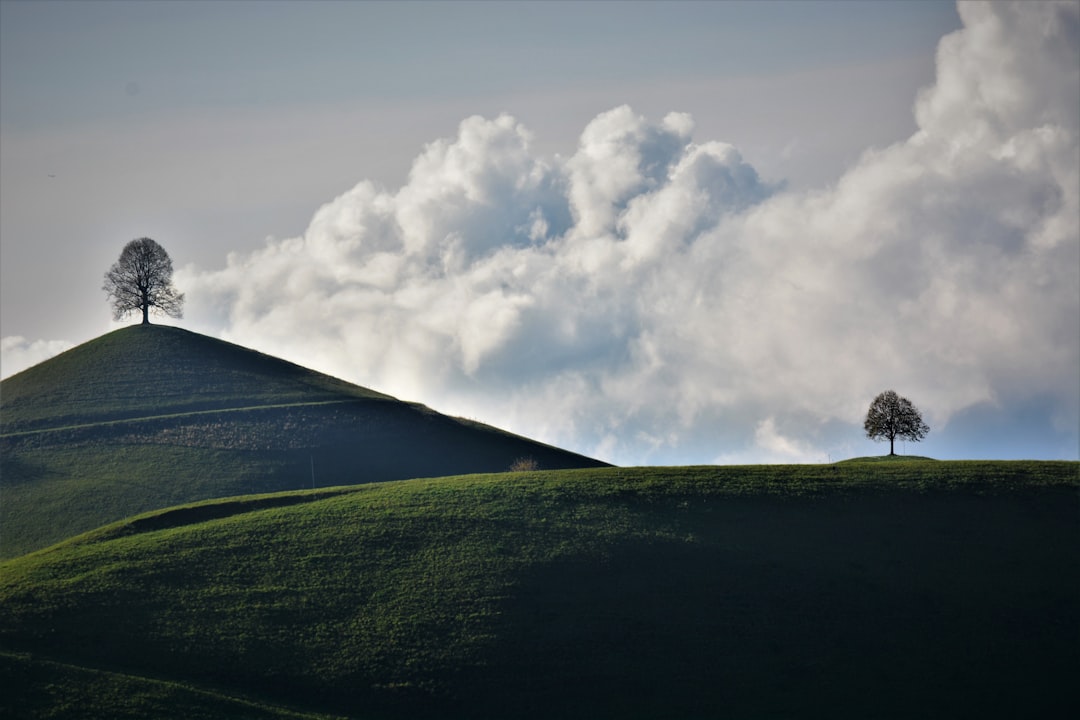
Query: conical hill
[[151, 416]]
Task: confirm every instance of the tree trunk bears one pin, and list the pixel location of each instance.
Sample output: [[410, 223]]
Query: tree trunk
[[891, 451], [145, 314]]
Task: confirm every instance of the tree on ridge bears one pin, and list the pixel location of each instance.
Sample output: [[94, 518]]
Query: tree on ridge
[[142, 279], [890, 417]]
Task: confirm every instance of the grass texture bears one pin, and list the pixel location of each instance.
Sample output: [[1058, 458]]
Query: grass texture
[[886, 590]]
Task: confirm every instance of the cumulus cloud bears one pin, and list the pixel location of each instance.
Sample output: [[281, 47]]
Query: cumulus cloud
[[650, 298], [17, 353]]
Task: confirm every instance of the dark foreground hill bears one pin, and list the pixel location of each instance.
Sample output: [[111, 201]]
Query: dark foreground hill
[[885, 590], [151, 416]]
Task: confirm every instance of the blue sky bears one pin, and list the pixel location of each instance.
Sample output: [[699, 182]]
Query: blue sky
[[72, 61], [653, 232]]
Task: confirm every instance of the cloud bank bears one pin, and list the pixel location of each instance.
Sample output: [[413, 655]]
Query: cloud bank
[[651, 299]]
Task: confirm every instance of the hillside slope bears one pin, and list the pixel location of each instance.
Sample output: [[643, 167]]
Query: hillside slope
[[151, 416], [146, 370], [891, 590]]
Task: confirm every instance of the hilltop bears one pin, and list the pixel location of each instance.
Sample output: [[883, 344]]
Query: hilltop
[[150, 416], [885, 590]]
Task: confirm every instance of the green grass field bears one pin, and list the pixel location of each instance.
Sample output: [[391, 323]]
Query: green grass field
[[238, 559], [888, 590]]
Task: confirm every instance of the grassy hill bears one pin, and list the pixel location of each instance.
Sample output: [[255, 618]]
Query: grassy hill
[[151, 416], [885, 590], [150, 370], [888, 459]]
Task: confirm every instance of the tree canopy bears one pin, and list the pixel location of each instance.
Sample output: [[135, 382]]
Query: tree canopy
[[141, 280], [890, 417]]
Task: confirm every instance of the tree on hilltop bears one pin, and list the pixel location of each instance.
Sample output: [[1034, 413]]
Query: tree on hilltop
[[891, 417], [142, 279]]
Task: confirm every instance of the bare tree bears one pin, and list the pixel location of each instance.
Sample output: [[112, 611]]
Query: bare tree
[[142, 279], [890, 417]]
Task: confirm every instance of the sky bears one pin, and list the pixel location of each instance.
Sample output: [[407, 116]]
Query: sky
[[653, 233]]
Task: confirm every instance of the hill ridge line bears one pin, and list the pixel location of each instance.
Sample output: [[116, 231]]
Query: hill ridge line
[[208, 511], [191, 413], [180, 684]]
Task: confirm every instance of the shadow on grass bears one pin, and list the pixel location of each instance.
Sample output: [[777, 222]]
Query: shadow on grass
[[874, 607]]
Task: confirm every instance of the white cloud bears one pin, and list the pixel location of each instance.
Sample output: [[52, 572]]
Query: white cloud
[[17, 353], [770, 445], [649, 298]]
